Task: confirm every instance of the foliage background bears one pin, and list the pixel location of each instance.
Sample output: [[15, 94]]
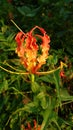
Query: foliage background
[[56, 17]]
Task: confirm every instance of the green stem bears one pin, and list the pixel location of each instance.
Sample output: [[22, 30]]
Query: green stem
[[12, 72], [32, 78], [57, 89], [46, 119], [46, 116], [48, 72]]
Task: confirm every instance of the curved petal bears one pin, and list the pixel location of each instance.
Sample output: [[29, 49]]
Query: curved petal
[[19, 38], [29, 52]]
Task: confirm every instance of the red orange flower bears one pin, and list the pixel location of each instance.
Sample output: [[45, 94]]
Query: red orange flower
[[35, 126], [28, 49], [62, 74]]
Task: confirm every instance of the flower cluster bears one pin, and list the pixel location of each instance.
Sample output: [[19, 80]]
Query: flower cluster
[[35, 127], [33, 55]]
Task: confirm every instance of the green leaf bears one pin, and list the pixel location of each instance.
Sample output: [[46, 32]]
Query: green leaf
[[10, 37], [27, 11], [47, 78], [44, 102], [52, 60], [46, 115], [44, 1], [31, 107], [57, 84], [4, 28], [65, 96], [13, 122], [43, 99], [40, 95], [3, 86], [56, 123], [35, 87]]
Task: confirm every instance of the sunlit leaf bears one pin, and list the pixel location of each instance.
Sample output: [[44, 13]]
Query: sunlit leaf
[[3, 86], [65, 96], [35, 87]]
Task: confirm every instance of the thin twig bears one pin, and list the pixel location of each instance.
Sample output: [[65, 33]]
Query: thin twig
[[17, 26], [9, 71], [47, 72]]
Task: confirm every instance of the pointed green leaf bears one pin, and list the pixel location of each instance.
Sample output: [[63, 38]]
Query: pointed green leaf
[[3, 86], [35, 87], [57, 83], [65, 96]]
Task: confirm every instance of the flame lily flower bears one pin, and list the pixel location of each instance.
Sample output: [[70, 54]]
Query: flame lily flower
[[28, 49]]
